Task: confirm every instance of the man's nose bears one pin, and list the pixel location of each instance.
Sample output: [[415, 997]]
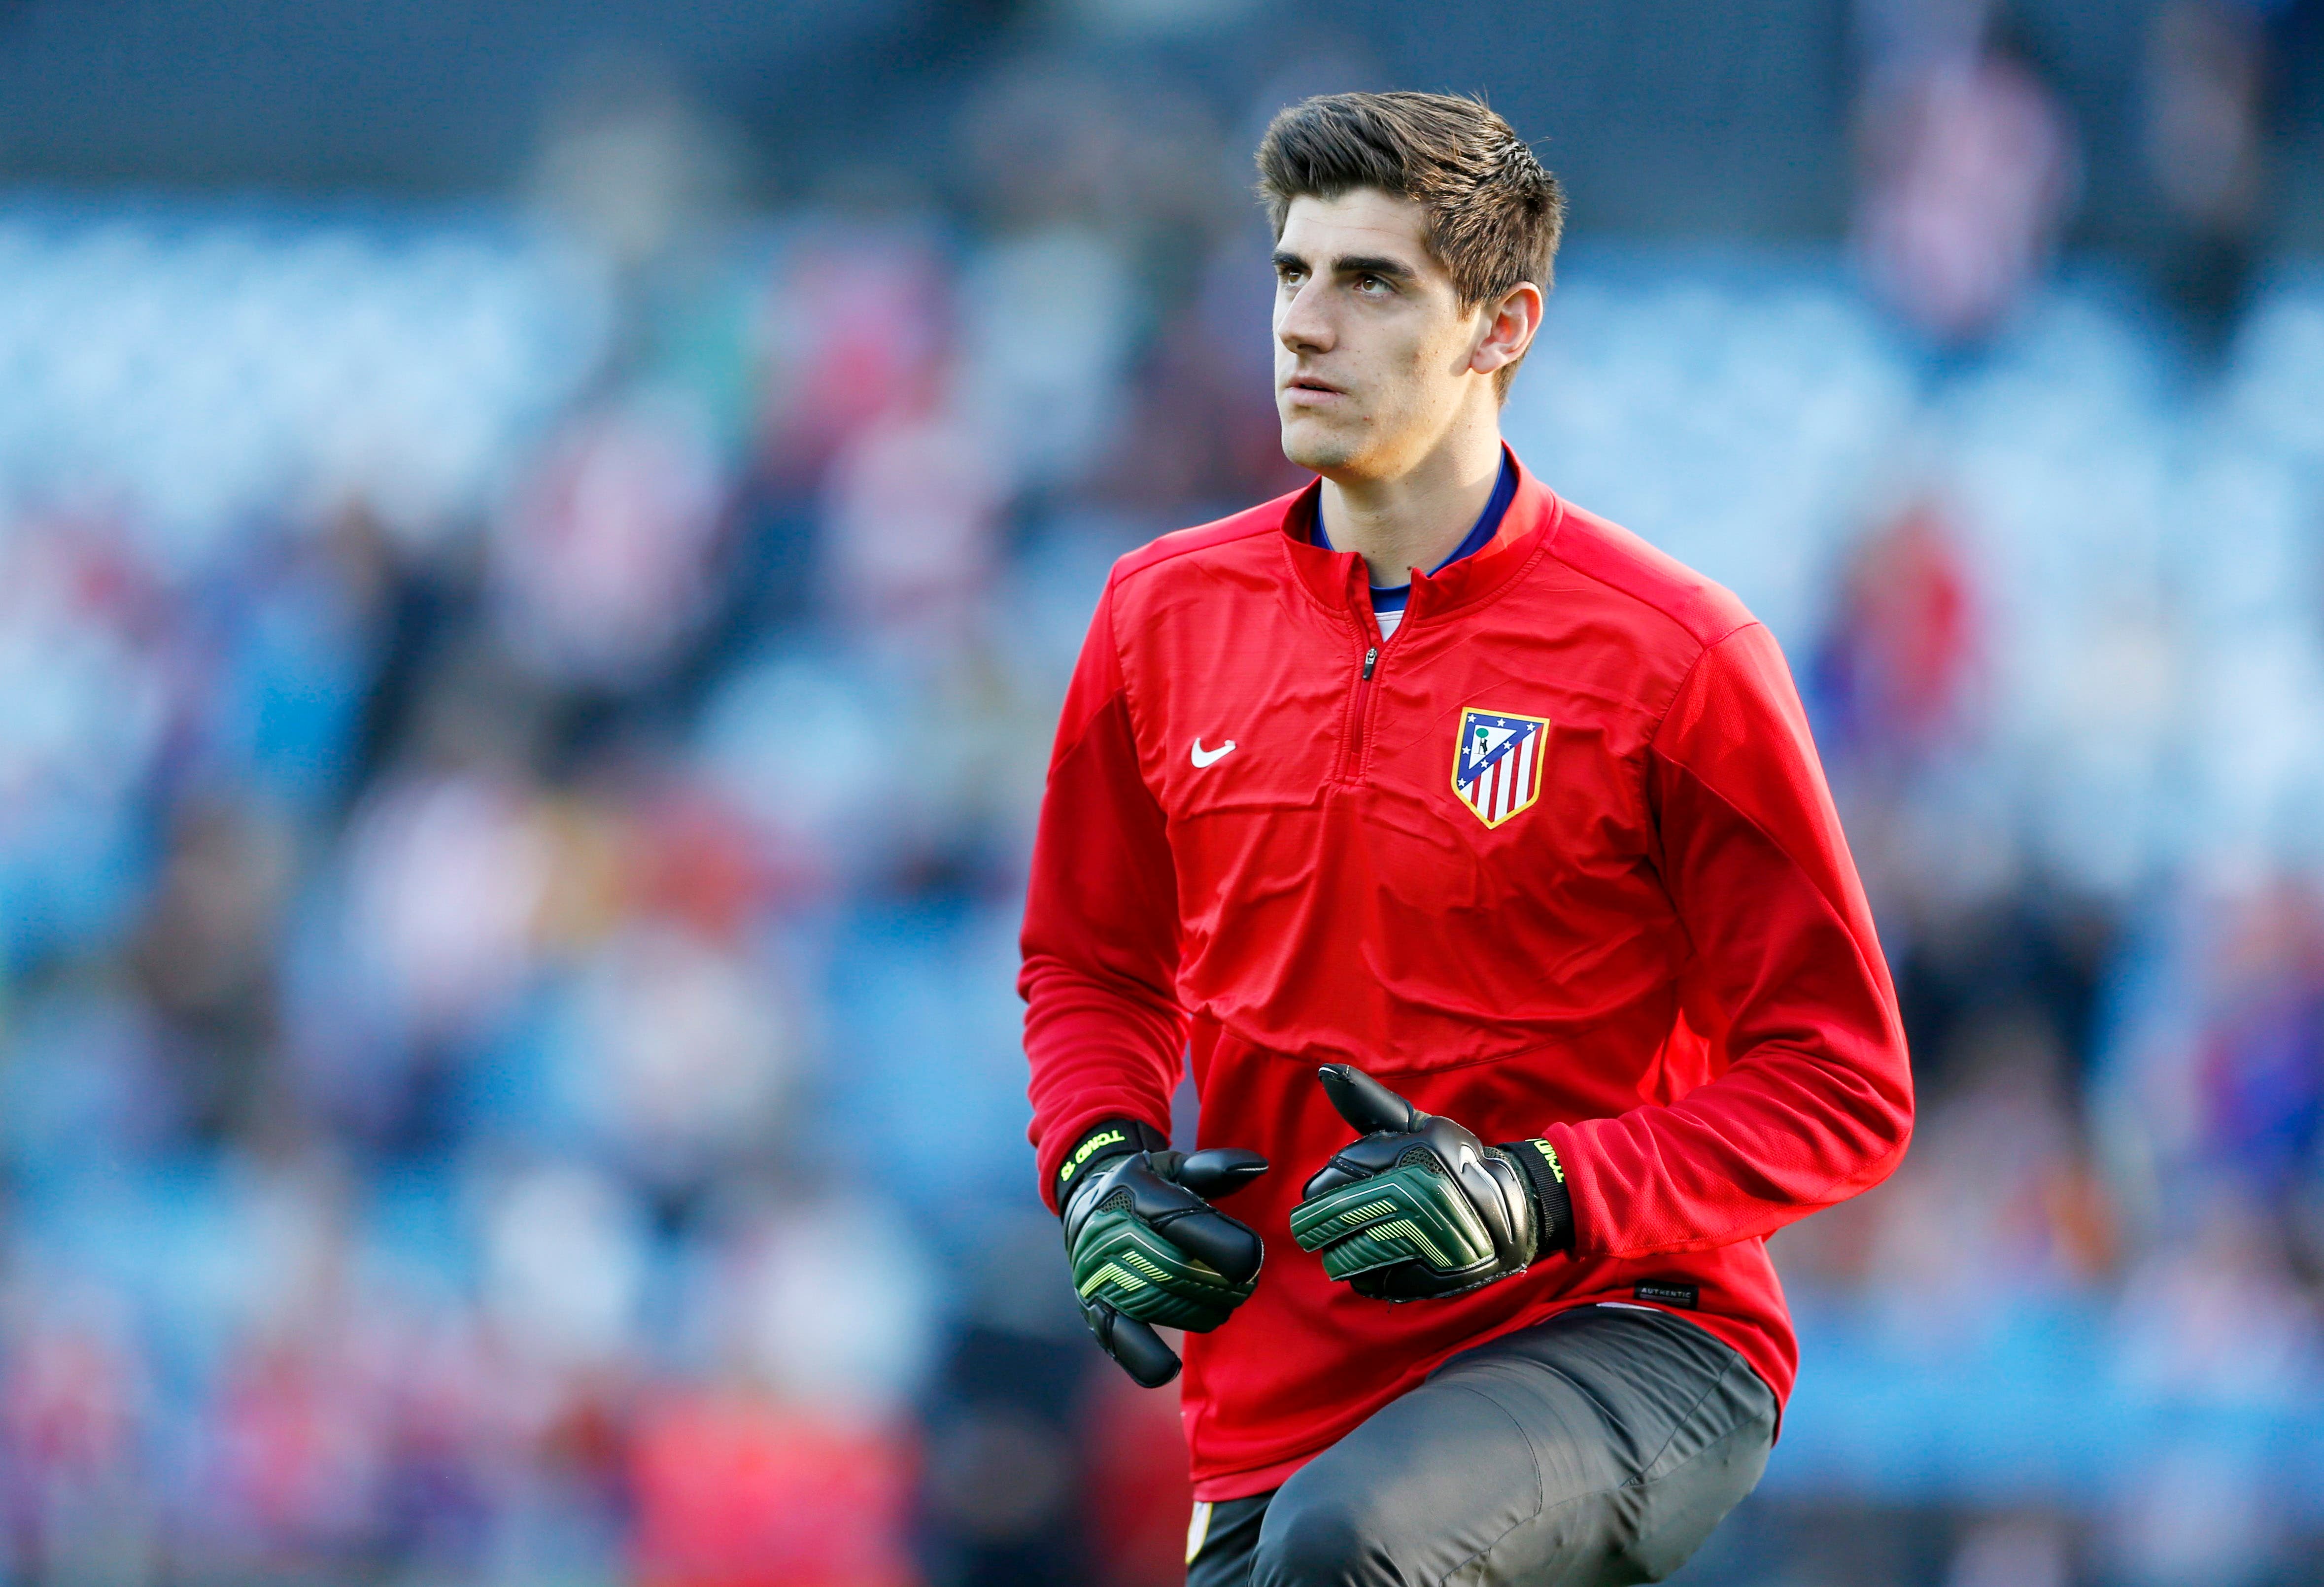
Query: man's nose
[[1303, 325]]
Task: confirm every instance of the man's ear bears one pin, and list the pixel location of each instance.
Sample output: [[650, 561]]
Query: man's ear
[[1509, 328]]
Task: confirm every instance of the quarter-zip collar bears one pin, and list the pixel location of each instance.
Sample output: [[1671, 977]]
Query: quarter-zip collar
[[1339, 581]]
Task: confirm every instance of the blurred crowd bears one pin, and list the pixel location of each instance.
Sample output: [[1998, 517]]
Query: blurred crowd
[[519, 731]]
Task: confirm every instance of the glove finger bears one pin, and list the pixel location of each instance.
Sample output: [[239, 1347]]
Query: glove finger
[[1365, 1157], [1354, 1259], [1222, 1170], [1316, 1223], [1136, 1348], [1204, 1321], [1335, 1214], [1404, 1282], [1407, 1212], [1217, 1240], [1364, 1102], [1414, 1281], [1401, 1243]]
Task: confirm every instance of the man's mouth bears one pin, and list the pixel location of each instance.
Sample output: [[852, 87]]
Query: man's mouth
[[1308, 383]]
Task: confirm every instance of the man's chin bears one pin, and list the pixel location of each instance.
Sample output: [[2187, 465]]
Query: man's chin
[[1319, 453]]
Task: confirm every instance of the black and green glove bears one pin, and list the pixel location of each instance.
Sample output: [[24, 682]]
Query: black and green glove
[[1419, 1208], [1146, 1247]]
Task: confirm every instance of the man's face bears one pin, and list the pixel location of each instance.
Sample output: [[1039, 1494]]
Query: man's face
[[1372, 351]]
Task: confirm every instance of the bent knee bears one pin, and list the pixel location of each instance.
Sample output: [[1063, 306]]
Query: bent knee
[[1324, 1542]]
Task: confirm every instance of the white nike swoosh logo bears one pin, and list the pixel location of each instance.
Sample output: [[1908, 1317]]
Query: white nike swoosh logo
[[1203, 757]]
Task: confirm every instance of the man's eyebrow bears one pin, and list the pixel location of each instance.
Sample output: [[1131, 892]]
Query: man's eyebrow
[[1374, 265], [1352, 265]]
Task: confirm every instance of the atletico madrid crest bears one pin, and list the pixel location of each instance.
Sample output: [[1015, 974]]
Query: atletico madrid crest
[[1496, 764]]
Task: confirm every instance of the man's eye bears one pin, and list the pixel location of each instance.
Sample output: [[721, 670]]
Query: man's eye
[[1370, 284]]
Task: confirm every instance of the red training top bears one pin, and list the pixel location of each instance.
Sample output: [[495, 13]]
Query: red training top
[[1557, 859]]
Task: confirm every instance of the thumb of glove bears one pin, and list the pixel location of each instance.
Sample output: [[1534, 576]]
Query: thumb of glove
[[1192, 1224], [1219, 1170], [1365, 1104]]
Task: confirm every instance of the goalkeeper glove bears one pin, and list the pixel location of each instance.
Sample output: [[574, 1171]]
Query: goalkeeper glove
[[1419, 1208], [1148, 1248]]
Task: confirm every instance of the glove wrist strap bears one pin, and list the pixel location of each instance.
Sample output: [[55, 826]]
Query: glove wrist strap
[[1553, 1204], [1114, 1138]]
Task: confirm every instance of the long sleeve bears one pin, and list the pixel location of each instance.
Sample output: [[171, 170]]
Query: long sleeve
[[1786, 985], [1103, 1031]]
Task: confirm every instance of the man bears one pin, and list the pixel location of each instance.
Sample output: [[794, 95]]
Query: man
[[1478, 855]]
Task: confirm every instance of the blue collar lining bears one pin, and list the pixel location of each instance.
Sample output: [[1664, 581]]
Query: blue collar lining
[[1392, 597]]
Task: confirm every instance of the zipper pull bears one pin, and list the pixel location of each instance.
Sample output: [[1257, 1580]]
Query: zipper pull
[[1371, 659]]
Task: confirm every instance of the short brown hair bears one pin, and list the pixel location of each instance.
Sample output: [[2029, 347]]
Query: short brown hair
[[1494, 214]]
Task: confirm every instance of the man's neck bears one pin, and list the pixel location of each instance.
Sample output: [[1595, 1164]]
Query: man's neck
[[1417, 519]]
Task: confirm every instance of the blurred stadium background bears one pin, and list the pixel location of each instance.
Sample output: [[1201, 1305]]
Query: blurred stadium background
[[539, 548]]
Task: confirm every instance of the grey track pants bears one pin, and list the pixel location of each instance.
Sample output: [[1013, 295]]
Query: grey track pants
[[1598, 1448]]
